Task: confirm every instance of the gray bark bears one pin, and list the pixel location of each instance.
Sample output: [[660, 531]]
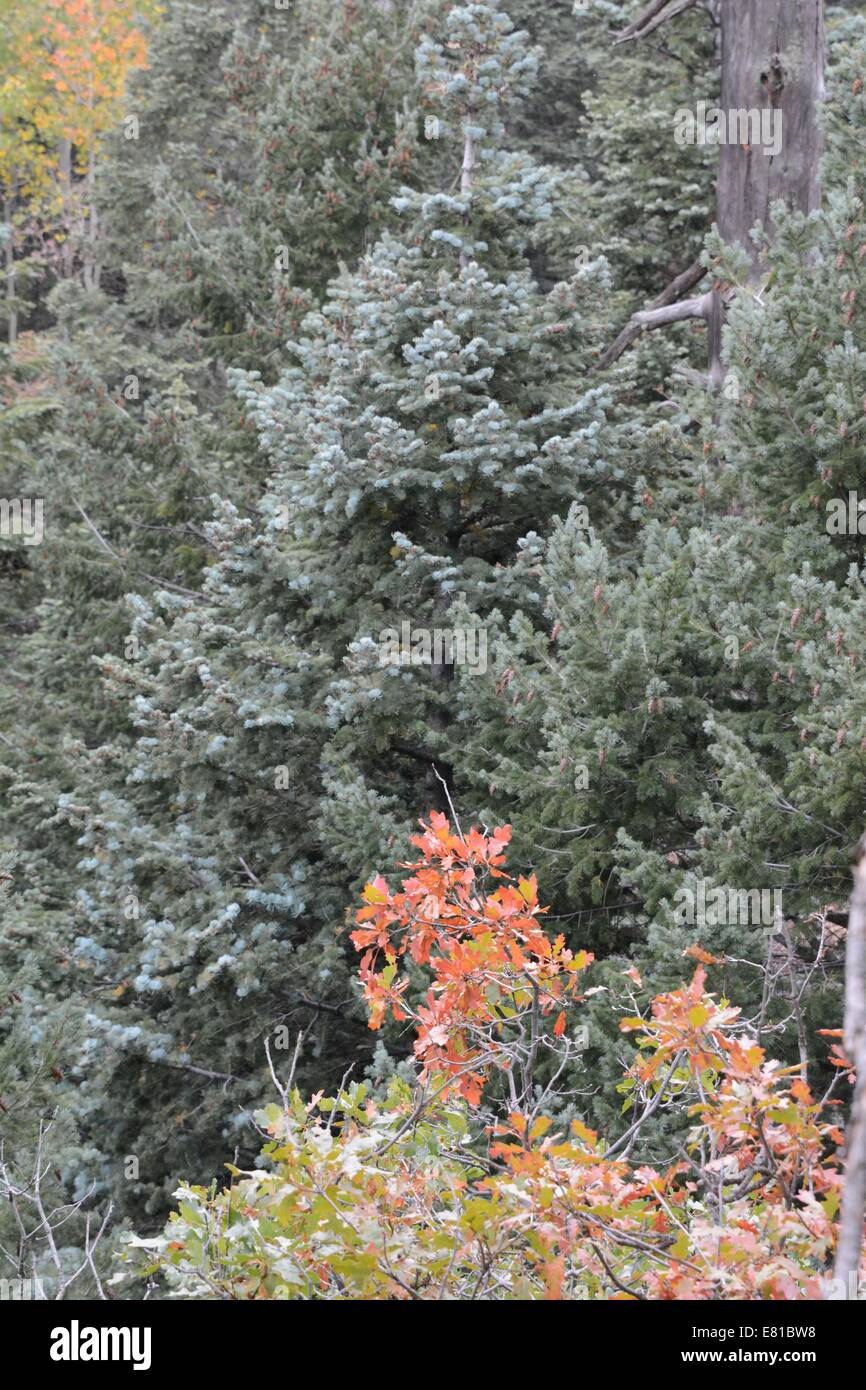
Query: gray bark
[[773, 60], [64, 160], [92, 268], [9, 256], [850, 1244]]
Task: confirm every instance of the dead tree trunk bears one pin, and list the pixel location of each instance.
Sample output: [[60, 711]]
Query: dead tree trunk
[[9, 256], [64, 168], [773, 59], [850, 1244]]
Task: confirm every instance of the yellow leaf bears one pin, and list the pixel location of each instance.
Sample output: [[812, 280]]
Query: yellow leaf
[[583, 1132]]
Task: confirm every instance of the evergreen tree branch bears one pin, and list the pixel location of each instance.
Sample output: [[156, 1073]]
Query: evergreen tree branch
[[152, 578]]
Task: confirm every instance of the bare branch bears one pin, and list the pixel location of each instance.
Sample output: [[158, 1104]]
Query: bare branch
[[633, 329], [699, 308], [628, 1138], [27, 1195], [658, 12], [438, 774]]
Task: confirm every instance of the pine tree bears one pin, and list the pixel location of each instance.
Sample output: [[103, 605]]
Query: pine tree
[[434, 409], [119, 415], [341, 375], [37, 1122], [695, 715]]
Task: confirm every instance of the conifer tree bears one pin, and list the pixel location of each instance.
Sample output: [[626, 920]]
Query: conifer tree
[[119, 417], [338, 409], [692, 720], [434, 408]]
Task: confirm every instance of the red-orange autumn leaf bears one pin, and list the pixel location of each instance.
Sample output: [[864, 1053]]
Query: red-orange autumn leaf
[[698, 953], [480, 934]]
